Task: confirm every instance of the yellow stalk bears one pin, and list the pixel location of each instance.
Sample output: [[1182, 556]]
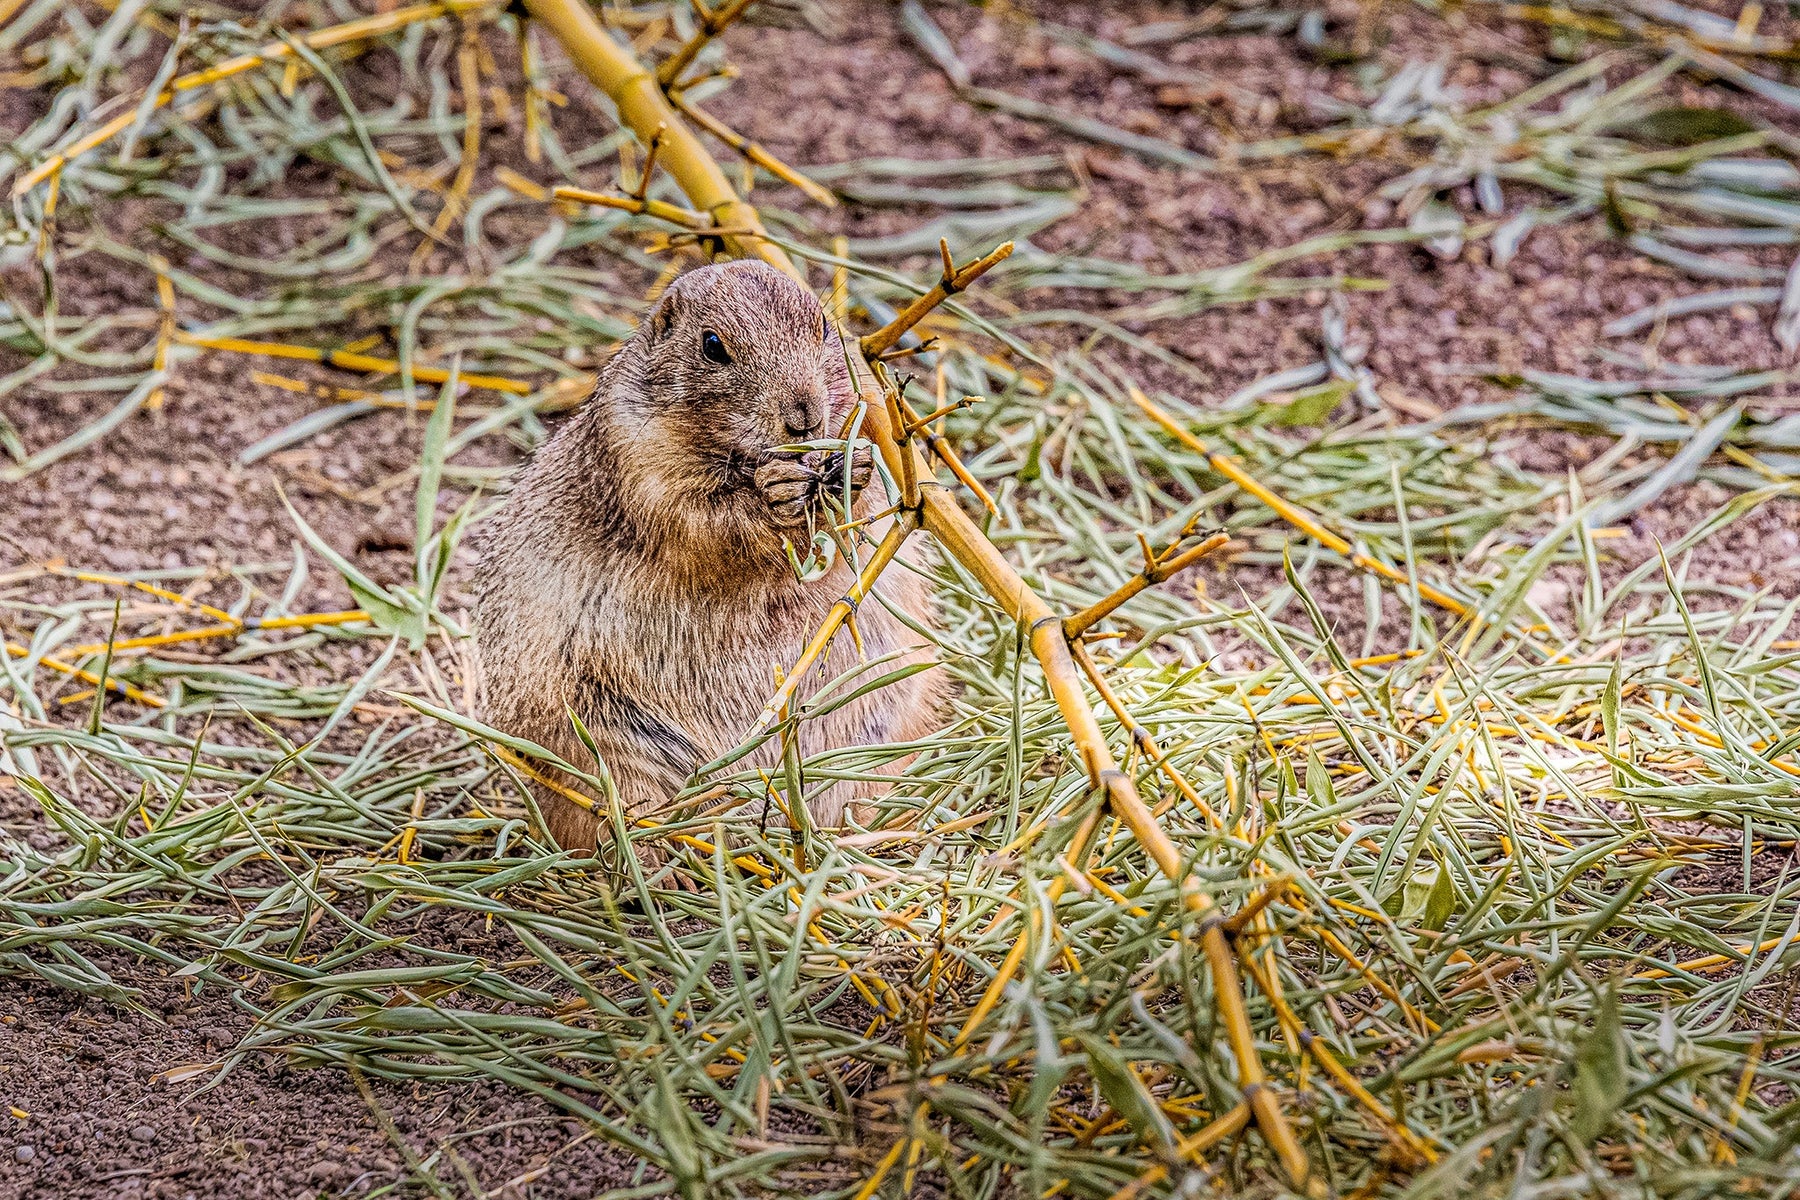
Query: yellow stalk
[[1230, 1124], [159, 639], [1712, 962], [455, 200], [687, 218], [754, 153], [952, 281], [881, 1169], [643, 107], [309, 620], [124, 689], [713, 22], [348, 361], [147, 588], [1403, 1136], [1140, 736], [840, 612], [1156, 569]]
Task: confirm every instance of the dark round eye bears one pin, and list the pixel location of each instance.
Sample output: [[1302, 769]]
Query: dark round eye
[[713, 348]]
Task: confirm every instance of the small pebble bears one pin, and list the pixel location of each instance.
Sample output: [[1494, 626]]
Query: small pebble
[[25, 1154], [143, 1133]]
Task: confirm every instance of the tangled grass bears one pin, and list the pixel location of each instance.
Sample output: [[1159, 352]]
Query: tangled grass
[[1510, 890]]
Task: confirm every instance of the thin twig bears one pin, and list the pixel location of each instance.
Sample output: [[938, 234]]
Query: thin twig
[[753, 152], [662, 210], [1292, 513], [713, 22]]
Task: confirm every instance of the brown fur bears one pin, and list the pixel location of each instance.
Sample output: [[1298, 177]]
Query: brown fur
[[637, 576]]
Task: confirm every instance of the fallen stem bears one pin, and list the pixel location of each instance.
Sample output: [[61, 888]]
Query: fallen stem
[[1292, 513]]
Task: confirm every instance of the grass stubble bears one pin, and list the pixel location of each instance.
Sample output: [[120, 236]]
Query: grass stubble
[[1497, 897]]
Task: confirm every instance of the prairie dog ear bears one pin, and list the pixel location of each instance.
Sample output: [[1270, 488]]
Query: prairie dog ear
[[662, 317]]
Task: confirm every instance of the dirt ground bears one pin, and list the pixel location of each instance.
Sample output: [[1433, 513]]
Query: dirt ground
[[96, 1112]]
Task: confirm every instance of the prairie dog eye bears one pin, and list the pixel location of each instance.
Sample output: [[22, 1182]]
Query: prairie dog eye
[[714, 349]]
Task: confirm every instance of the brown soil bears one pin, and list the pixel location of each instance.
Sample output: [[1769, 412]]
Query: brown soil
[[105, 1120], [102, 1117]]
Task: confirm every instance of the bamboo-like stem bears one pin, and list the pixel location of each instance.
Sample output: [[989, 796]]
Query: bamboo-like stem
[[753, 152], [1156, 569], [909, 464], [1081, 846], [1337, 947], [1140, 737], [88, 677], [1271, 892], [1712, 962], [943, 410], [1405, 1138], [148, 588], [643, 107], [920, 427], [336, 35], [1229, 1124], [235, 627], [155, 639], [713, 22], [648, 172], [310, 620], [951, 282], [1292, 513], [1228, 998]]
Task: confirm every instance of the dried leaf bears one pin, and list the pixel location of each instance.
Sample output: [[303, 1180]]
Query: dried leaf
[[1683, 125], [1126, 1092], [1601, 1081]]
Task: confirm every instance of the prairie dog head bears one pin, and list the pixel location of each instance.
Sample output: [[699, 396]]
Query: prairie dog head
[[737, 359]]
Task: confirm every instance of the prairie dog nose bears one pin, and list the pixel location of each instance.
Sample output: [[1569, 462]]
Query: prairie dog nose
[[803, 415]]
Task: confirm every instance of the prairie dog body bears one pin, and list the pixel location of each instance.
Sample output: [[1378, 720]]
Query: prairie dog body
[[637, 575]]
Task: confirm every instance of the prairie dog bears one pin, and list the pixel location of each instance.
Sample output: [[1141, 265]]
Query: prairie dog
[[637, 574]]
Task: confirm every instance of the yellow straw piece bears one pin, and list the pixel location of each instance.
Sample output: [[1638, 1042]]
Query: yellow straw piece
[[349, 361]]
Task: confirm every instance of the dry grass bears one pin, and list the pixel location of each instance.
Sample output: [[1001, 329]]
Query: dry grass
[[1512, 900]]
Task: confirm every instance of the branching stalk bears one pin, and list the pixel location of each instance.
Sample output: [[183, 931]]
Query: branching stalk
[[953, 281], [643, 106], [1157, 567]]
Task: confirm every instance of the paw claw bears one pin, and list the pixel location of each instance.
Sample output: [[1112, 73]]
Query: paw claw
[[862, 468]]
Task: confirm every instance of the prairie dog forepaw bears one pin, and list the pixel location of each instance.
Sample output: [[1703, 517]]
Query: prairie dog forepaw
[[788, 487], [862, 468]]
